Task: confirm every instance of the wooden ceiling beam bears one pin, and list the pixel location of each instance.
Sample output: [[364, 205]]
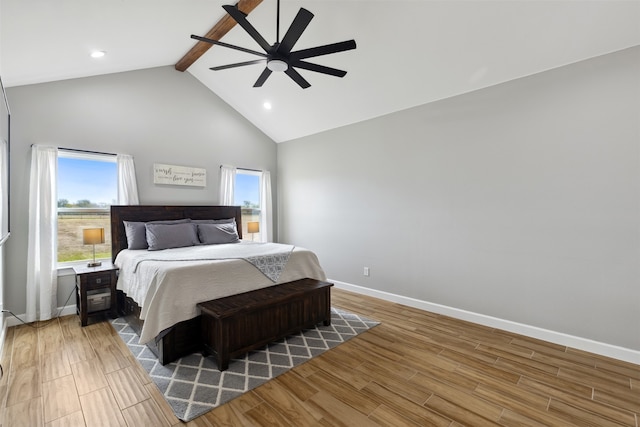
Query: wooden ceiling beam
[[221, 28]]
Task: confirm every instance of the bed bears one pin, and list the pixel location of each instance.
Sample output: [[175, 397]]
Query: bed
[[165, 316]]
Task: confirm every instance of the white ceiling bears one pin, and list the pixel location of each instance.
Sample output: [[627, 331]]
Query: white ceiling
[[409, 52]]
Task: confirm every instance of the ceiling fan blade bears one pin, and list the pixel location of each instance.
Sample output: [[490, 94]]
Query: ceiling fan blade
[[319, 68], [230, 46], [297, 78], [241, 19], [263, 77], [323, 50], [237, 64], [299, 24]]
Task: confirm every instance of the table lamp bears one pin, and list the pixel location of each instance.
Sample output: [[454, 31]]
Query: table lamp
[[93, 236], [253, 227]]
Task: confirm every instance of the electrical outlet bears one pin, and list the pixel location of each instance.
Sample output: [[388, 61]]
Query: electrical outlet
[[366, 271]]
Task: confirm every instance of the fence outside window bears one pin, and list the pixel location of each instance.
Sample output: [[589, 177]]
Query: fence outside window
[[71, 222]]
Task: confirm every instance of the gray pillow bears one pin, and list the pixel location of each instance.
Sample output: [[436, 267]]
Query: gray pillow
[[213, 234], [137, 234], [166, 236]]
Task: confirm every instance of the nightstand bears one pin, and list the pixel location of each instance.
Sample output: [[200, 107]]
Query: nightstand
[[96, 291]]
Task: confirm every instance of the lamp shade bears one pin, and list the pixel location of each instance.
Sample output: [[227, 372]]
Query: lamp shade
[[253, 227], [92, 236]]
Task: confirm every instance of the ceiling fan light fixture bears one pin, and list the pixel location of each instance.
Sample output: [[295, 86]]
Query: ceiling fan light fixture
[[277, 65]]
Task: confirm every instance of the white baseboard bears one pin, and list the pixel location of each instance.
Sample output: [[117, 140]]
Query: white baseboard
[[12, 321], [620, 353]]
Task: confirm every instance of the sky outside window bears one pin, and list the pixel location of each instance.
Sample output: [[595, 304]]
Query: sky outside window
[[247, 189], [83, 179]]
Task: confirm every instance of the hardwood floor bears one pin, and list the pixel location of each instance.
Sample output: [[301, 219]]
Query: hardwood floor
[[415, 369]]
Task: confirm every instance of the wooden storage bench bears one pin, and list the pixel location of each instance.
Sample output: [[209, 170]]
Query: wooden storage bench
[[234, 325]]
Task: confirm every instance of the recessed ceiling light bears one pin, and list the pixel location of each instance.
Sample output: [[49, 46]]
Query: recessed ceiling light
[[267, 105], [98, 54]]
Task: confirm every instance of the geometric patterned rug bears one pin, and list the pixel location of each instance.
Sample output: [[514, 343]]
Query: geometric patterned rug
[[193, 385]]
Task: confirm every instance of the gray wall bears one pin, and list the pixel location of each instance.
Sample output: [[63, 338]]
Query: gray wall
[[157, 115], [520, 201]]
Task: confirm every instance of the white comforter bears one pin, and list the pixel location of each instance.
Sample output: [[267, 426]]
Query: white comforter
[[168, 290]]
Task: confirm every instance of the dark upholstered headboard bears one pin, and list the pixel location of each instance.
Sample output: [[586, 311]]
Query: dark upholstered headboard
[[144, 213]]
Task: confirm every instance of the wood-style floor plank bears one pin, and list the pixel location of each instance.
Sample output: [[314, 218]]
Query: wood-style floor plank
[[336, 412], [25, 348], [27, 413], [393, 401], [89, 376], [145, 414], [50, 338], [126, 387], [24, 385], [101, 409], [75, 419], [161, 403], [415, 369], [54, 365], [60, 398], [287, 403]]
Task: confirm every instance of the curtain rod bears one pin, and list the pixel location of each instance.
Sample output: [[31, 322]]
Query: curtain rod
[[246, 169], [86, 151], [83, 151]]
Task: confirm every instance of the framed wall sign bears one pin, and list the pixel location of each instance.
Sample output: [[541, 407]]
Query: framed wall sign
[[179, 175]]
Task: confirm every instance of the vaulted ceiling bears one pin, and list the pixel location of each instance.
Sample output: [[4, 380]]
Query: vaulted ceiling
[[408, 52]]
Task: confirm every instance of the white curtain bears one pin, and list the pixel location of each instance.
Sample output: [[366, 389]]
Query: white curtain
[[42, 273], [266, 217], [127, 187], [227, 185]]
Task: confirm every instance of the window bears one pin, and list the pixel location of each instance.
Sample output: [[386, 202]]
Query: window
[[87, 187], [247, 195]]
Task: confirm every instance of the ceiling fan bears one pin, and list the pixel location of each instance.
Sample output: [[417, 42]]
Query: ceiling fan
[[279, 56]]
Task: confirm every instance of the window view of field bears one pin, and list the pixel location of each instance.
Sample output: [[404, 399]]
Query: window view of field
[[71, 222], [87, 187], [250, 215], [247, 195]]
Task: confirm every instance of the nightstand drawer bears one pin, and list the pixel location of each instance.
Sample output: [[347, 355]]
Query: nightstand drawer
[[103, 279], [98, 299]]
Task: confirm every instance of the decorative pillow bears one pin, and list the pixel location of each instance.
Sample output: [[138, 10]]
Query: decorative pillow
[[213, 234], [214, 221], [166, 236], [137, 234]]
